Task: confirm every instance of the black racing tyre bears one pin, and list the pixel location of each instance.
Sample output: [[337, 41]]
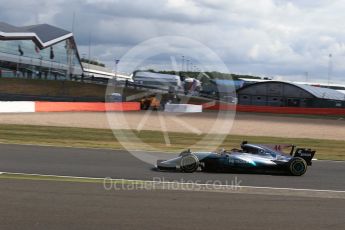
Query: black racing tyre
[[189, 163], [297, 166]]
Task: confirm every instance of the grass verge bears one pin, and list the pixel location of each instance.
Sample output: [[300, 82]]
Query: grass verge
[[103, 138]]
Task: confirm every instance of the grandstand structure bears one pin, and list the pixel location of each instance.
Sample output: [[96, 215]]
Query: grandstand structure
[[102, 74], [38, 52]]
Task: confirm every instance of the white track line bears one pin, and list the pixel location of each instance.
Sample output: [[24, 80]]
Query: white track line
[[178, 186]]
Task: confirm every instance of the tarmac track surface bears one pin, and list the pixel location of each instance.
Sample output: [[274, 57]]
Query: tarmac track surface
[[34, 204], [116, 164]]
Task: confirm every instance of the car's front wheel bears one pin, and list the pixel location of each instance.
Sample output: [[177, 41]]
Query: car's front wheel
[[189, 163], [297, 166]]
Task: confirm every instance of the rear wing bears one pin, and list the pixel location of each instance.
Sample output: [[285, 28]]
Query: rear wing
[[306, 154]]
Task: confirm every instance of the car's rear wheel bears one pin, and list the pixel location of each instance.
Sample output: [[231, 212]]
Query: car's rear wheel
[[297, 166], [189, 163]]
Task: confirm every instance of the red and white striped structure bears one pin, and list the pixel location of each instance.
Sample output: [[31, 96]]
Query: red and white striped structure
[[35, 106]]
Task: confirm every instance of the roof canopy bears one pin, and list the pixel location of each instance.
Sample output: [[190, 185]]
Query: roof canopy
[[43, 35], [323, 93], [317, 92]]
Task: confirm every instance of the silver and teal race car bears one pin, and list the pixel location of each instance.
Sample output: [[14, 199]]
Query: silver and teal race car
[[250, 158]]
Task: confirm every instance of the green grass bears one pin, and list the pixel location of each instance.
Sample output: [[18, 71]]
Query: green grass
[[103, 138], [50, 88]]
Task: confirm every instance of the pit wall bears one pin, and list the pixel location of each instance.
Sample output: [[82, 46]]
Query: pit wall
[[32, 106]]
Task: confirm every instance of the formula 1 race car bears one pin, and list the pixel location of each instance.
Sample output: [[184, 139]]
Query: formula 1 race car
[[250, 158]]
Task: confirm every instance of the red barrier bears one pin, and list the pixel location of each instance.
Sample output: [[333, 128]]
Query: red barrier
[[86, 106], [278, 110]]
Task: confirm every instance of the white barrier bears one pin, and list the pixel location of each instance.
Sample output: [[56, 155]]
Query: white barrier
[[17, 107], [183, 108]]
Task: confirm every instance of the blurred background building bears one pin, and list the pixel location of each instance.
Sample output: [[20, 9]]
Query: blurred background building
[[38, 52]]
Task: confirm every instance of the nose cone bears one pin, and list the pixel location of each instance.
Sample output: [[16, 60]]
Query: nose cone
[[169, 164]]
